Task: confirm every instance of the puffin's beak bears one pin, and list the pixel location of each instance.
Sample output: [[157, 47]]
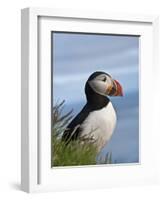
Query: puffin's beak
[[115, 89], [119, 91]]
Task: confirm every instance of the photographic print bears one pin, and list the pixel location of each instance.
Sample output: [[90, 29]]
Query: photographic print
[[95, 99]]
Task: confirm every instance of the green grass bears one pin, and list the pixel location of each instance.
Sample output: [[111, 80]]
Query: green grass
[[75, 153]]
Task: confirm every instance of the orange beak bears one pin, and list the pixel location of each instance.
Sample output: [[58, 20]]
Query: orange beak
[[119, 91], [115, 89]]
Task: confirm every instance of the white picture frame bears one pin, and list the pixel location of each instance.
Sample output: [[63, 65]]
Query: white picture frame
[[36, 171]]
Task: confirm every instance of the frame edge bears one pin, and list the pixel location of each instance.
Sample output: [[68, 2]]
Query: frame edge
[[24, 100], [29, 100]]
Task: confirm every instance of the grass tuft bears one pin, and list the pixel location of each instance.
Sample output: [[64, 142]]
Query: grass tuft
[[75, 153]]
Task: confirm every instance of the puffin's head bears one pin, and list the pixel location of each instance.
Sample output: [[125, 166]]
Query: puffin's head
[[103, 84]]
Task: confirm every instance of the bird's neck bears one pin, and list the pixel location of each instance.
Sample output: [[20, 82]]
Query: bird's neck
[[95, 100]]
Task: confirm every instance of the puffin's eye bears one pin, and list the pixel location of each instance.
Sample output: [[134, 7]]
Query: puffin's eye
[[104, 79]]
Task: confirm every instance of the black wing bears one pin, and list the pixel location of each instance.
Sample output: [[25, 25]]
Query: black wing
[[73, 130]]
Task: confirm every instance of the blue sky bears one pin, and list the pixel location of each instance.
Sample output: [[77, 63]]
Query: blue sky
[[76, 56]]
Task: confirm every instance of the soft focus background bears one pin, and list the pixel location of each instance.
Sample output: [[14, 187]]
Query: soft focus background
[[76, 56]]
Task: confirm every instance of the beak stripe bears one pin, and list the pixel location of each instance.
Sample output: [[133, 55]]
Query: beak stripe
[[109, 89], [113, 90]]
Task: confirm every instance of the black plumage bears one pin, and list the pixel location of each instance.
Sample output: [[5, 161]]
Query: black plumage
[[95, 101]]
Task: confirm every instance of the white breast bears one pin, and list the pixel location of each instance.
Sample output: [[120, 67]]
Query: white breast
[[100, 125]]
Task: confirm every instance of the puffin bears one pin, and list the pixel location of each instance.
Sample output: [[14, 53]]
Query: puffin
[[97, 119]]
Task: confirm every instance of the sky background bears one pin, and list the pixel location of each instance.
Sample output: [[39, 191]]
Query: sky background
[[76, 57]]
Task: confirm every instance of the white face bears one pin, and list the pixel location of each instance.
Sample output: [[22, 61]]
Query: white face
[[100, 84]]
